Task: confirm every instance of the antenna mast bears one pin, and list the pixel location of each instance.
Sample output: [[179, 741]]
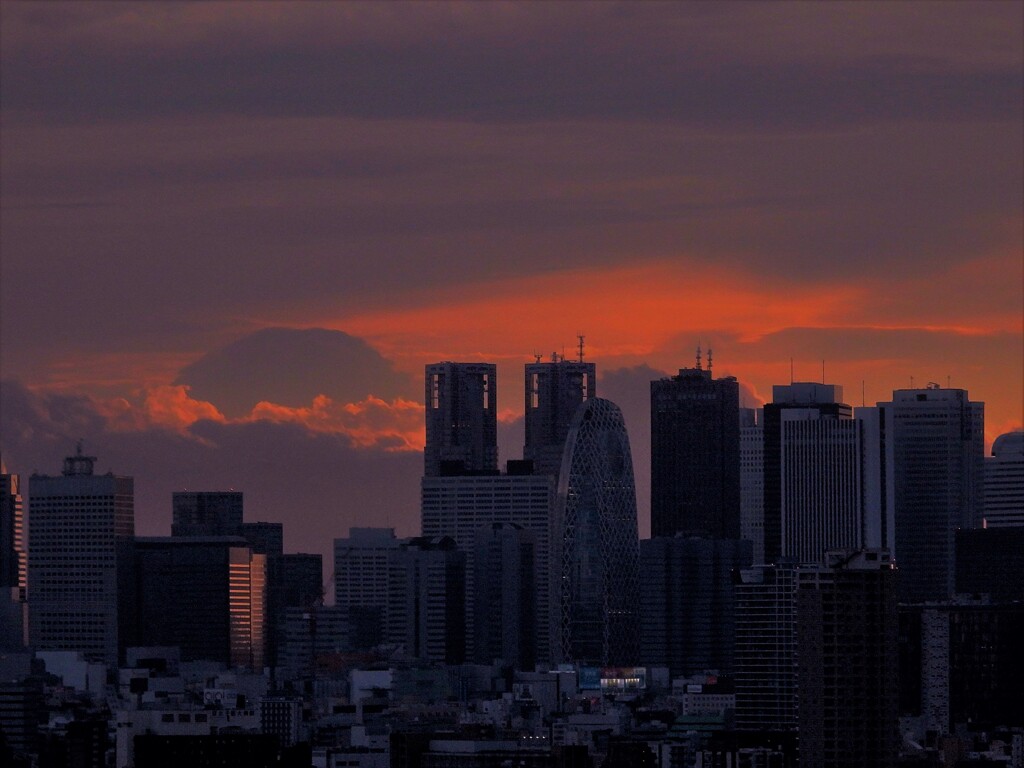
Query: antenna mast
[[709, 360], [580, 337], [699, 366]]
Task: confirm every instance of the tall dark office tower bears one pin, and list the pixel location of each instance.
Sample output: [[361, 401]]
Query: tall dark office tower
[[938, 445], [264, 538], [13, 557], [595, 548], [820, 401], [687, 602], [752, 479], [361, 582], [206, 595], [13, 563], [426, 611], [462, 419], [80, 527], [506, 596], [695, 454], [554, 390], [294, 580], [206, 513], [848, 704]]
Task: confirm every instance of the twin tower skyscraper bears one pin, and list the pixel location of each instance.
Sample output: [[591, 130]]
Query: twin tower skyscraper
[[572, 496]]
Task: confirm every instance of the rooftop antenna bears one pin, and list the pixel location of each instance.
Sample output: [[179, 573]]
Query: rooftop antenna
[[911, 382], [699, 366], [536, 356], [709, 360], [948, 385], [580, 337]]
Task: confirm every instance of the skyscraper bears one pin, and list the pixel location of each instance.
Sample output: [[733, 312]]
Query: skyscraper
[[13, 563], [554, 390], [938, 453], [459, 506], [820, 401], [504, 579], [695, 454], [206, 513], [361, 581], [687, 602], [1004, 482], [80, 526], [206, 595], [595, 548], [752, 480], [462, 421], [426, 611]]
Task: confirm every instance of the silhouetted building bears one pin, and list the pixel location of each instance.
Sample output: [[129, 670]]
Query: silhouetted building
[[990, 561], [426, 611], [938, 444], [504, 579], [264, 538], [459, 506], [79, 527], [848, 702], [595, 548], [765, 650], [462, 418], [960, 663], [806, 397], [687, 602], [206, 513], [554, 390], [220, 750], [309, 636], [13, 563], [752, 480], [361, 582], [205, 595], [695, 454], [294, 580], [1004, 482]]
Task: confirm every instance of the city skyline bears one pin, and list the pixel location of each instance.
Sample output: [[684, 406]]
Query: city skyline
[[786, 184]]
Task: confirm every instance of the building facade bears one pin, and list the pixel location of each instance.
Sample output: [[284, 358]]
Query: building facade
[[504, 580], [752, 480], [80, 528], [206, 513], [554, 390], [695, 455], [361, 581], [595, 547], [1003, 505], [461, 418]]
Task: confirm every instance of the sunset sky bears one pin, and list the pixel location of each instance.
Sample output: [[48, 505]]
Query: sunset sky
[[837, 182]]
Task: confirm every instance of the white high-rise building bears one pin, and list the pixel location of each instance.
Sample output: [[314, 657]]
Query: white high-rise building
[[361, 581], [80, 525], [937, 437], [458, 506], [1004, 482], [752, 480]]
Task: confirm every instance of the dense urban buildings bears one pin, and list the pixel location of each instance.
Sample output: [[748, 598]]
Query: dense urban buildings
[[938, 447], [361, 581], [554, 390], [752, 480], [695, 450], [462, 418], [80, 527], [595, 549], [13, 562]]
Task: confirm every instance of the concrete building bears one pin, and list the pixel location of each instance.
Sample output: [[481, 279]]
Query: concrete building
[[361, 581], [938, 445], [695, 454], [554, 390], [504, 580], [206, 513], [460, 506], [80, 526], [1003, 505], [425, 611], [13, 564], [462, 418], [309, 635], [205, 595], [752, 480], [687, 610], [595, 547], [848, 704]]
